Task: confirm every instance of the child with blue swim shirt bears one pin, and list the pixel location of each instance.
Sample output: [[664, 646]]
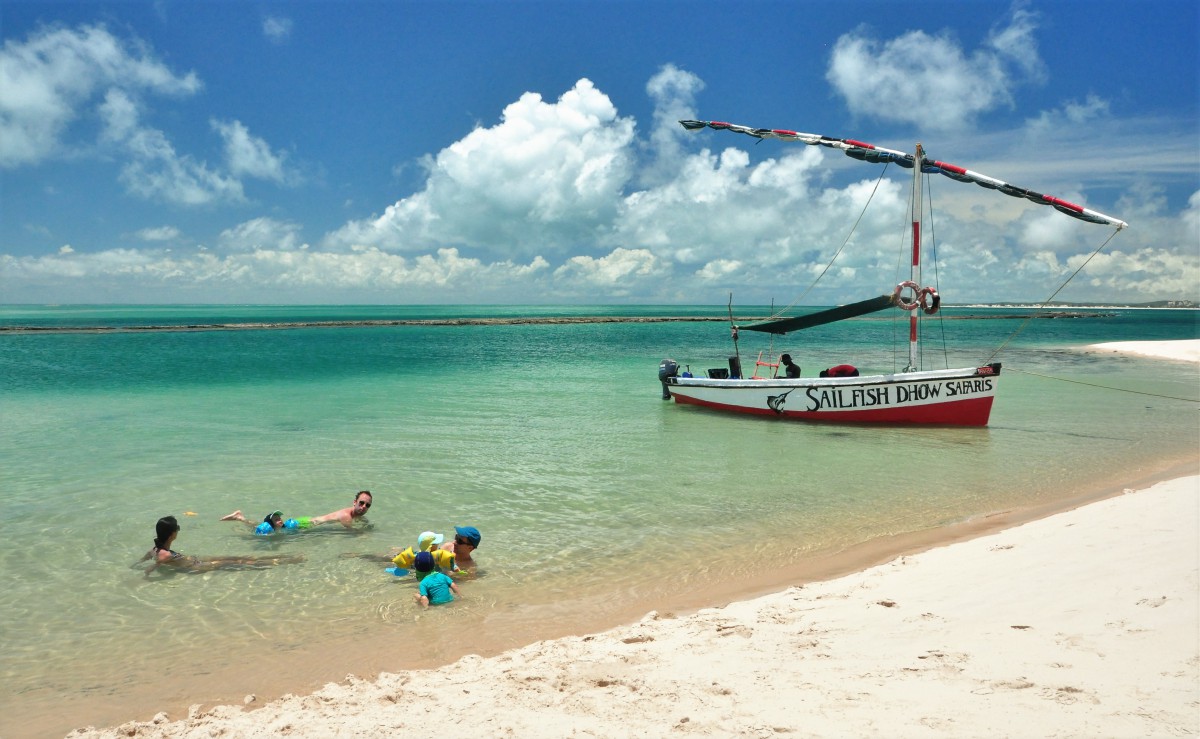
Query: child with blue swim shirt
[[272, 523], [436, 587]]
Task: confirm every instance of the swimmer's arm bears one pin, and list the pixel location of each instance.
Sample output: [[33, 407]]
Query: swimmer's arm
[[342, 517], [453, 587], [237, 516], [418, 598], [368, 556], [159, 559]]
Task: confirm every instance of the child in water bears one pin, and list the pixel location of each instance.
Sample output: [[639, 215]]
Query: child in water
[[273, 522], [167, 529], [270, 524], [427, 542], [435, 587]]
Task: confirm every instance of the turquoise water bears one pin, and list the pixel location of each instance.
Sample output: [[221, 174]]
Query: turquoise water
[[594, 496]]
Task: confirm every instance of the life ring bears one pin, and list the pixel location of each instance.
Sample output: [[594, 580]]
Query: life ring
[[900, 302], [935, 300]]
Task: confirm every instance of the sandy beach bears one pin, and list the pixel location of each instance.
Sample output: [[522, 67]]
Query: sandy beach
[[1083, 623], [1086, 623], [1183, 351]]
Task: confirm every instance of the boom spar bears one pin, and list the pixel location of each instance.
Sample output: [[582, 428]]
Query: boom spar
[[871, 153]]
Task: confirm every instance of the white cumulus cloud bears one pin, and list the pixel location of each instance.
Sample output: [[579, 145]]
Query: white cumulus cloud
[[59, 77], [546, 177], [277, 29], [48, 81], [247, 155], [161, 233], [881, 78], [560, 200]]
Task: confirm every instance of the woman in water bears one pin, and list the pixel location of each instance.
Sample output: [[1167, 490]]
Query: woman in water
[[167, 529]]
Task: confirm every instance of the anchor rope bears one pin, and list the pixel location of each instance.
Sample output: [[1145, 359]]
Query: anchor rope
[[1104, 387], [1046, 302]]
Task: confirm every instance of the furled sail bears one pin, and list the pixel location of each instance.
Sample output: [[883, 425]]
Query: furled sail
[[871, 153], [840, 313]]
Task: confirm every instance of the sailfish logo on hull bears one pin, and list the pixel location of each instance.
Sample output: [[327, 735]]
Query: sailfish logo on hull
[[776, 402]]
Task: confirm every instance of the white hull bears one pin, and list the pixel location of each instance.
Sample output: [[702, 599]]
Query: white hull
[[956, 397]]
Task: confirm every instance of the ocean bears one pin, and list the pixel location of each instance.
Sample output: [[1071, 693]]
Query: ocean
[[597, 501]]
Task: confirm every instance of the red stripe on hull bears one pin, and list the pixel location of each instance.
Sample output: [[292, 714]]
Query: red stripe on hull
[[968, 412]]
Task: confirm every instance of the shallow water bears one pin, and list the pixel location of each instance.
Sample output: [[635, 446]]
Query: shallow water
[[594, 496]]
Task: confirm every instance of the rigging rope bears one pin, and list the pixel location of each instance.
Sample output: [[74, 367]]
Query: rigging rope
[[1047, 300], [937, 285], [1103, 387], [833, 259]]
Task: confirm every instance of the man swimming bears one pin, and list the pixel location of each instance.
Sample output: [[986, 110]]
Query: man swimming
[[347, 516], [275, 522]]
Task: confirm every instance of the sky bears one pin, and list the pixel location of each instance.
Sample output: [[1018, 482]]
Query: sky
[[527, 152]]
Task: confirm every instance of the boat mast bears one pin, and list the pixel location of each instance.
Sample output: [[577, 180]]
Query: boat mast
[[915, 269]]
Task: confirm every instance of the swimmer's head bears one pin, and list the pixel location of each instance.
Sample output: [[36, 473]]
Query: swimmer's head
[[166, 526], [428, 540], [275, 518], [467, 535], [423, 562]]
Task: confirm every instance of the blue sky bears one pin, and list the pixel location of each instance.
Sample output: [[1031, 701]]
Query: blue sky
[[528, 152]]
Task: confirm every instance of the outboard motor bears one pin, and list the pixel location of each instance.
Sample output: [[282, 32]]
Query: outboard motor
[[667, 369]]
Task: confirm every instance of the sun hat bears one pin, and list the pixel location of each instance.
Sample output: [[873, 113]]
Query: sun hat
[[428, 540], [272, 514], [423, 562], [470, 533]]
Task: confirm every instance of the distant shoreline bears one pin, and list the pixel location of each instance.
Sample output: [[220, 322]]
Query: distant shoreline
[[263, 326], [505, 321]]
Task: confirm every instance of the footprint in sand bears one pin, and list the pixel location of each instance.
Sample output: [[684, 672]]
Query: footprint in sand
[[1067, 695], [1019, 683], [735, 628]]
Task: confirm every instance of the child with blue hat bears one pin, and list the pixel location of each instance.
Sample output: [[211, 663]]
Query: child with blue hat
[[436, 587]]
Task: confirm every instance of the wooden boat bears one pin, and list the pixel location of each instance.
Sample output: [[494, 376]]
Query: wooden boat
[[953, 397]]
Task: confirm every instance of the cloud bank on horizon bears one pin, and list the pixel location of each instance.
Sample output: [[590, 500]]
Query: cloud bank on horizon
[[561, 198]]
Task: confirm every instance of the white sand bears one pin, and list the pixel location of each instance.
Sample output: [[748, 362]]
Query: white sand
[[1187, 350], [1083, 624]]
